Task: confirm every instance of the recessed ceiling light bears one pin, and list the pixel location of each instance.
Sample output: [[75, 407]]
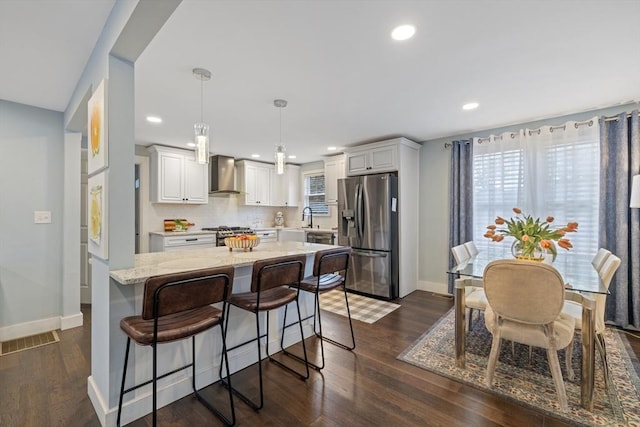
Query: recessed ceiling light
[[332, 148], [403, 32], [154, 119], [255, 156], [470, 106], [292, 156]]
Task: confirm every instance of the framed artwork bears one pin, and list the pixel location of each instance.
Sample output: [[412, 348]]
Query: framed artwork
[[97, 139], [98, 221]]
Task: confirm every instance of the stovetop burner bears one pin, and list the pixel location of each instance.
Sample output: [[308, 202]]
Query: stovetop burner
[[226, 231]]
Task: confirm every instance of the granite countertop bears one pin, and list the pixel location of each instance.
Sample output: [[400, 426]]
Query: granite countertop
[[156, 263], [182, 233]]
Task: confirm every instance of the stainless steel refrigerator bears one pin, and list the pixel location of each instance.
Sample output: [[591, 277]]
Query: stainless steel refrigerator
[[368, 222]]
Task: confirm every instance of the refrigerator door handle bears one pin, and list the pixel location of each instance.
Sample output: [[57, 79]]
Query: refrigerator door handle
[[358, 206], [369, 254]]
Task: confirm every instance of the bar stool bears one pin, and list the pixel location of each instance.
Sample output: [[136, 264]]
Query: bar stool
[[174, 307], [270, 289], [329, 272]]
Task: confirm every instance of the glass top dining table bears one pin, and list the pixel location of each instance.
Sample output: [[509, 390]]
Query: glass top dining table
[[577, 271], [578, 274]]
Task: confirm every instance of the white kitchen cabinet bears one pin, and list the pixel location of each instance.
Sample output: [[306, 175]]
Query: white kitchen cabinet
[[372, 158], [176, 177], [163, 242], [285, 188], [334, 169], [254, 179]]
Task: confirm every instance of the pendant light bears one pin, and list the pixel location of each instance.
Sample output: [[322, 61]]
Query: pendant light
[[280, 154], [201, 129]]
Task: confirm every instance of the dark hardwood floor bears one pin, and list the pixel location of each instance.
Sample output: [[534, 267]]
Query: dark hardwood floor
[[47, 386]]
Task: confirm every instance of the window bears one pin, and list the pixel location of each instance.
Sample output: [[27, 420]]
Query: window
[[314, 193], [546, 172]]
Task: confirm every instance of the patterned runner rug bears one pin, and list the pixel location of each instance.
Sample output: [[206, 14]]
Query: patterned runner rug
[[529, 382], [362, 308]]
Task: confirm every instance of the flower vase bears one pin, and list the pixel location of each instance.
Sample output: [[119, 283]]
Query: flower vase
[[535, 253]]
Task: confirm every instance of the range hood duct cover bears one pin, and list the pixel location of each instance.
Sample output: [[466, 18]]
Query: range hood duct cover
[[222, 175]]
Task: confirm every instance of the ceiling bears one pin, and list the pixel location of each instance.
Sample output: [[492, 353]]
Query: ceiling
[[345, 79]]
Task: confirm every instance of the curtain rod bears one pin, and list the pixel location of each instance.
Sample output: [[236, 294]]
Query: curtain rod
[[551, 129]]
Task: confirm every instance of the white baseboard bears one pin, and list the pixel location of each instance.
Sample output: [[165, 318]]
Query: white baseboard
[[26, 329], [40, 326], [436, 288], [73, 321]]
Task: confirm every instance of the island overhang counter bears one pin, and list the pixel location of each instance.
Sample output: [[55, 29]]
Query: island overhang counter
[[130, 282]]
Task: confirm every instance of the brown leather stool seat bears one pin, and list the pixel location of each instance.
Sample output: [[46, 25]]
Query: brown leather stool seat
[[270, 289], [174, 307], [329, 272]]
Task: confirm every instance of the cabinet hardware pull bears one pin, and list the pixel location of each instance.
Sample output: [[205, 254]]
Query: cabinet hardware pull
[[191, 240]]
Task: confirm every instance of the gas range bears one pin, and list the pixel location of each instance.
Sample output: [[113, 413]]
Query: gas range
[[224, 231]]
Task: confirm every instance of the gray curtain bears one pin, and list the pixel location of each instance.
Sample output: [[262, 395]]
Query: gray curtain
[[620, 225], [460, 197]]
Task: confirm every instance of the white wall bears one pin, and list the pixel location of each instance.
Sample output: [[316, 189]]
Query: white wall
[[434, 196], [31, 178]]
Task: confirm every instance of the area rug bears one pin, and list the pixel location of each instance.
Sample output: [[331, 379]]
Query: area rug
[[25, 343], [362, 308], [529, 382]]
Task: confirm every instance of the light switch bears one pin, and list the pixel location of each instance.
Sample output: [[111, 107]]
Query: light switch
[[42, 217]]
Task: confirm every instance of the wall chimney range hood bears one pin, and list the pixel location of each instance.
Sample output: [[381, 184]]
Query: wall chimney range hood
[[222, 175]]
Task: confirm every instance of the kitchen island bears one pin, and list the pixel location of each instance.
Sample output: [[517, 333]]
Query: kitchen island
[[208, 344]]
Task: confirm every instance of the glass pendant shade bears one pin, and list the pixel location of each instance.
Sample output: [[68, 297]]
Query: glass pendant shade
[[280, 159], [202, 142]]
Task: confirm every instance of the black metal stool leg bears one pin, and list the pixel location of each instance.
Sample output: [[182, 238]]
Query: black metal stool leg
[[124, 376]]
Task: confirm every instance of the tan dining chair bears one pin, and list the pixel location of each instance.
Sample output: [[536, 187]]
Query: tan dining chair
[[474, 298], [599, 258], [525, 302], [471, 248], [573, 307]]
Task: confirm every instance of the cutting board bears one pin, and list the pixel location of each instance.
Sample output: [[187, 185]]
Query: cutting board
[[170, 225]]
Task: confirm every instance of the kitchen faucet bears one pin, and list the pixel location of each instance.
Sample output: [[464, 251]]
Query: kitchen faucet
[[310, 215]]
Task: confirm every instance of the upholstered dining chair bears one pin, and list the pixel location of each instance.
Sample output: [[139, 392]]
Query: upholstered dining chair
[[525, 302], [471, 248], [573, 307], [599, 258], [474, 298]]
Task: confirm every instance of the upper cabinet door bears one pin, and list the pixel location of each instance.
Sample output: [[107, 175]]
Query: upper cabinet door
[[176, 177], [171, 175], [333, 171], [381, 158], [196, 183]]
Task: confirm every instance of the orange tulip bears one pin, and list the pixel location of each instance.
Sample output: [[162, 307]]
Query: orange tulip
[[525, 238], [565, 243], [517, 211], [491, 227], [545, 244], [572, 227], [498, 238], [550, 219], [499, 220], [490, 232]]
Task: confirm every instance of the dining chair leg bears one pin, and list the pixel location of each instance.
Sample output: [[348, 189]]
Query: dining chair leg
[[601, 346], [493, 355], [568, 352], [556, 374]]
